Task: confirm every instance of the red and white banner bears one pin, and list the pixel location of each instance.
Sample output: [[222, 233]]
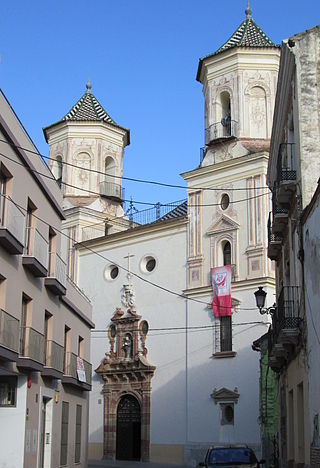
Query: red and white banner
[[221, 284]]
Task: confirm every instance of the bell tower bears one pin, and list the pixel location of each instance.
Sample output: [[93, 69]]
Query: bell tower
[[239, 85], [86, 149]]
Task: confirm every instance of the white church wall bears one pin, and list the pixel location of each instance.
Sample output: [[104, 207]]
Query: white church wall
[[166, 349]]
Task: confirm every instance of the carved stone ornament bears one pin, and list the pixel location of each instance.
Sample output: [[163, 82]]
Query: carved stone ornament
[[126, 375], [128, 297], [224, 395]]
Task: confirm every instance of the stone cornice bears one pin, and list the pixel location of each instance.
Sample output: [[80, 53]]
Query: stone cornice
[[225, 165], [235, 286], [149, 229]]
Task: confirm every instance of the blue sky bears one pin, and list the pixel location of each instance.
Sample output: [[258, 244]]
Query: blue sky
[[142, 58]]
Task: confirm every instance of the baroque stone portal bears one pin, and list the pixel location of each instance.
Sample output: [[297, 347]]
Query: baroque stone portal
[[127, 376]]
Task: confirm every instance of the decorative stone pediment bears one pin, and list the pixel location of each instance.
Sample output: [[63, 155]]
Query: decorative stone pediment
[[223, 224], [126, 374], [224, 394]]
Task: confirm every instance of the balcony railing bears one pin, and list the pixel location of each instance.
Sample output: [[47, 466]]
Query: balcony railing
[[286, 162], [221, 130], [70, 367], [274, 241], [88, 371], [286, 174], [36, 252], [111, 190], [280, 216], [54, 356], [57, 268], [12, 221], [286, 327], [9, 331], [32, 344]]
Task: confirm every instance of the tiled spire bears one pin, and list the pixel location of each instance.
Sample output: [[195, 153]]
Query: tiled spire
[[88, 108], [248, 34]]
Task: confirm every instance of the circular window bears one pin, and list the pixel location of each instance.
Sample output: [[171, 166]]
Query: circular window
[[144, 328], [114, 272], [112, 331], [225, 201], [111, 272], [151, 264], [148, 264]]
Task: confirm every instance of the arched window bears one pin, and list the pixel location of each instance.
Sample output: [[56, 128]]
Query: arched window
[[227, 253], [110, 168], [225, 113], [57, 169]]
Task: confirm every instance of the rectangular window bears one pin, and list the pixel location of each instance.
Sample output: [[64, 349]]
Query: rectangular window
[[225, 334], [77, 455], [52, 251], [80, 346], [3, 284], [8, 391], [72, 253], [64, 433], [2, 197], [47, 335], [30, 224], [66, 349], [23, 323]]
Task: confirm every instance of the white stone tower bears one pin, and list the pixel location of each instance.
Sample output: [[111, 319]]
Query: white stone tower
[[86, 149], [228, 203]]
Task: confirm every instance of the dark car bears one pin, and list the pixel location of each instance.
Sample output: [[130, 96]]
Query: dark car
[[232, 456]]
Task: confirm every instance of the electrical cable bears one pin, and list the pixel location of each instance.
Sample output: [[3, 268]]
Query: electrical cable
[[198, 327], [130, 179], [182, 296], [128, 201]]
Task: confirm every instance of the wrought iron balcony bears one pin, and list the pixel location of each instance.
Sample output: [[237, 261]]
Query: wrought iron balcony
[[9, 336], [280, 216], [12, 221], [274, 242], [57, 276], [54, 359], [221, 130], [286, 174], [70, 375], [31, 349], [111, 190], [35, 256], [285, 336]]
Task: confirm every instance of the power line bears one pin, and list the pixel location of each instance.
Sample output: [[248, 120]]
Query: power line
[[169, 291], [198, 327], [135, 201], [130, 179]]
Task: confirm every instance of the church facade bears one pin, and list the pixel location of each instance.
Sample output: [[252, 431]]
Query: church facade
[[169, 377]]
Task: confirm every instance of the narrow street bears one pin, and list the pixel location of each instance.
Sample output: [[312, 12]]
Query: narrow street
[[130, 464]]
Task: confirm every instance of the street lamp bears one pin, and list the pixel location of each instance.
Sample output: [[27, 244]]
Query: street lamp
[[260, 300]]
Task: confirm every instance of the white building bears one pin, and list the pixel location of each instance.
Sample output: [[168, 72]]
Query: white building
[[293, 175], [203, 373], [45, 320]]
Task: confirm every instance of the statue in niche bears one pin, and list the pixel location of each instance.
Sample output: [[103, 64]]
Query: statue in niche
[[127, 346]]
